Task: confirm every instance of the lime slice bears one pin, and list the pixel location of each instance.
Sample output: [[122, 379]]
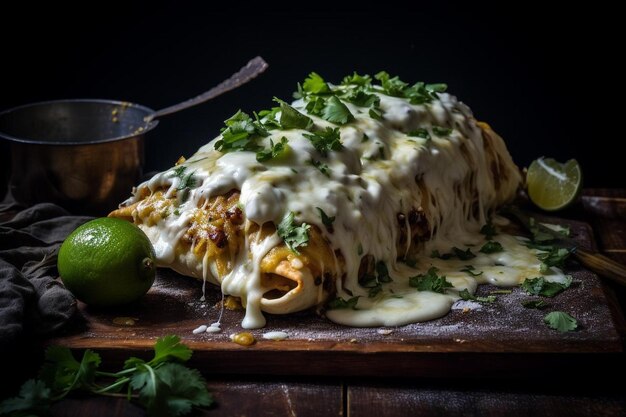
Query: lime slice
[[551, 185]]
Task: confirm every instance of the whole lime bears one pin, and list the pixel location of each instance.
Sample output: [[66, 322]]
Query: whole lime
[[107, 262]]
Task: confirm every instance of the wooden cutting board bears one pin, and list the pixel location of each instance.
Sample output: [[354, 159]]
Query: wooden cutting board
[[502, 338]]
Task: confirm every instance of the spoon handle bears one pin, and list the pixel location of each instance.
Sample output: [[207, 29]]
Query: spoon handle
[[253, 68]]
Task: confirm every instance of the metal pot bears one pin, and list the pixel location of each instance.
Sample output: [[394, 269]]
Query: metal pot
[[85, 155]]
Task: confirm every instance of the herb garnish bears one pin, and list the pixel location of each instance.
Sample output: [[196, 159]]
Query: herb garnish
[[556, 257], [560, 321], [374, 281], [326, 220], [240, 134], [276, 150], [162, 385], [491, 247], [489, 230], [471, 271], [291, 118], [539, 286], [537, 304], [338, 303], [430, 281], [325, 140], [323, 168], [293, 236], [465, 295]]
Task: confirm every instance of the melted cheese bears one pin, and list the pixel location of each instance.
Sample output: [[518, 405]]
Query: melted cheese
[[380, 172]]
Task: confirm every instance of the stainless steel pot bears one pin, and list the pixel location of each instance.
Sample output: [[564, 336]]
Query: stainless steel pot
[[84, 155]]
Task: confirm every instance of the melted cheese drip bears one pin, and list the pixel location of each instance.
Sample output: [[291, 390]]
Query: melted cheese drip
[[372, 179]]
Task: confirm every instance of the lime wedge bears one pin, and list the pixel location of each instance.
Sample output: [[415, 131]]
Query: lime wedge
[[551, 185]]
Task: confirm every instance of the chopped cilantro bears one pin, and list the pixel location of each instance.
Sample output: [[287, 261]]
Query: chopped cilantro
[[441, 131], [291, 118], [420, 133], [360, 98], [463, 255], [375, 114], [275, 151], [321, 167], [489, 230], [374, 282], [356, 79], [560, 321], [338, 303], [315, 84], [465, 295], [336, 112], [556, 257], [539, 286], [537, 304], [293, 236], [491, 247], [430, 281], [326, 140], [327, 221], [240, 134], [471, 271]]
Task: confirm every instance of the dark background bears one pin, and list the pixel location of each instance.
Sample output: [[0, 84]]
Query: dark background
[[547, 80]]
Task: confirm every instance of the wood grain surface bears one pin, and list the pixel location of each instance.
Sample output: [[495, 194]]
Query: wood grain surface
[[495, 338]]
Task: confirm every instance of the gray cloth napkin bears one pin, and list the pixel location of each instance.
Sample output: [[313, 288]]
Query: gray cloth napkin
[[32, 300]]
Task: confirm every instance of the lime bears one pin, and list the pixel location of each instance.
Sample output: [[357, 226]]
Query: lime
[[107, 262], [552, 185]]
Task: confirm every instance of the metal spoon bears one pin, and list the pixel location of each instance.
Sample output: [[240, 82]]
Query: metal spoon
[[251, 70]]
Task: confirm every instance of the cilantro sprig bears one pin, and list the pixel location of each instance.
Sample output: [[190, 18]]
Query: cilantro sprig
[[539, 286], [293, 236], [430, 281], [163, 385], [374, 281], [560, 321]]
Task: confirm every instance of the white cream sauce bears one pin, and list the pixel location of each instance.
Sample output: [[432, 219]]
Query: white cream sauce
[[369, 182]]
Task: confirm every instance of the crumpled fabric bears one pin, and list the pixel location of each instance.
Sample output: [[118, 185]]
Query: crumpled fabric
[[32, 300]]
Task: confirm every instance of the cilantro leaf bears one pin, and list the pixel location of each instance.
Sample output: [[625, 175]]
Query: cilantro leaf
[[471, 271], [326, 140], [491, 247], [360, 98], [34, 399], [441, 131], [375, 114], [179, 389], [356, 79], [170, 348], [537, 304], [291, 118], [560, 321], [382, 273], [293, 236], [275, 151], [463, 255], [240, 134], [315, 84], [336, 112], [539, 236], [555, 257], [539, 286], [420, 133], [489, 230], [430, 282], [338, 303], [321, 167], [62, 372], [316, 106], [392, 86], [465, 295], [326, 220]]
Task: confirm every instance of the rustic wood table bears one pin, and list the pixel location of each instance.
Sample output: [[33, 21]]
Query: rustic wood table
[[571, 385]]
